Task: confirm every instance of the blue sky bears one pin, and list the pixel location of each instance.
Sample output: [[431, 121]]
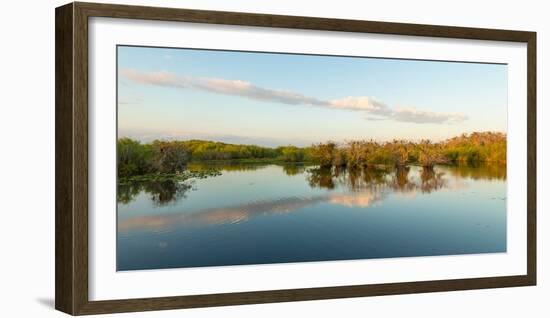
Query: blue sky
[[277, 99]]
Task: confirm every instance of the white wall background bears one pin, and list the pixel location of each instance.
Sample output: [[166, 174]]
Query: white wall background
[[27, 158]]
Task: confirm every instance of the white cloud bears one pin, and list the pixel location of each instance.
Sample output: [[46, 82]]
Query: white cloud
[[245, 89], [412, 115], [220, 86], [363, 103]]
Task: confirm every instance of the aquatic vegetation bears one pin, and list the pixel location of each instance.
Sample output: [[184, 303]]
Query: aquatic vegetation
[[475, 148], [176, 177], [324, 153], [430, 154]]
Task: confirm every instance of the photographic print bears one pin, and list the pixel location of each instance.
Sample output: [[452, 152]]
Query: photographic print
[[241, 158]]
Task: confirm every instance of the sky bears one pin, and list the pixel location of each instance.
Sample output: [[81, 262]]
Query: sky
[[274, 99]]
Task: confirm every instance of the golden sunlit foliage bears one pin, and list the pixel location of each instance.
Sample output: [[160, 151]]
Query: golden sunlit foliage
[[135, 158]]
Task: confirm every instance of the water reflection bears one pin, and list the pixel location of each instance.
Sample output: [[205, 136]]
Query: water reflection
[[431, 180], [243, 212], [424, 180], [226, 166], [166, 192], [293, 169], [321, 178], [368, 179], [346, 187], [161, 193], [480, 172], [400, 181], [259, 214]]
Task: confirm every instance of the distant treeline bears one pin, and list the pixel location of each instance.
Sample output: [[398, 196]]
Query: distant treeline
[[135, 158]]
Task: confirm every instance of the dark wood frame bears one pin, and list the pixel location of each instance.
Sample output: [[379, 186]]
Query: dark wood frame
[[71, 157]]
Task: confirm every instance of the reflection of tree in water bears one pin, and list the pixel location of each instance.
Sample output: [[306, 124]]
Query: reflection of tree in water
[[431, 180], [355, 179], [376, 179], [373, 175], [126, 193], [400, 181], [366, 187], [368, 179], [289, 169], [293, 169], [161, 192], [480, 171], [321, 178], [226, 166], [365, 179]]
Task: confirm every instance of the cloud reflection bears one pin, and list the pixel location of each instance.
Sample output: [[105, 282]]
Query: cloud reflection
[[244, 212]]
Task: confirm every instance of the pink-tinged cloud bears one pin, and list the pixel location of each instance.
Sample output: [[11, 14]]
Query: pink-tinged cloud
[[248, 90]]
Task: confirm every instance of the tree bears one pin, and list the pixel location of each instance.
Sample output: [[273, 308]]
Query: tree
[[358, 153], [339, 158], [291, 153], [430, 154], [476, 147], [133, 158], [170, 157], [323, 153], [399, 150]]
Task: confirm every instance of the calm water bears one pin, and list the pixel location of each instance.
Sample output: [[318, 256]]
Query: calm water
[[257, 214]]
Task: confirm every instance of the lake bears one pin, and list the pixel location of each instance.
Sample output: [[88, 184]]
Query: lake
[[269, 213]]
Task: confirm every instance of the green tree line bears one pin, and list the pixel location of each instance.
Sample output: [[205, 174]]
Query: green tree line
[[135, 158]]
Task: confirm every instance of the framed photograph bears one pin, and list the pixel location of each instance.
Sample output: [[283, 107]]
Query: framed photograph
[[210, 158]]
